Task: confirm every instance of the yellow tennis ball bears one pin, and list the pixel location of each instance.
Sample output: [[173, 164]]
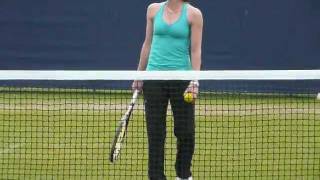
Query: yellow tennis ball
[[188, 97]]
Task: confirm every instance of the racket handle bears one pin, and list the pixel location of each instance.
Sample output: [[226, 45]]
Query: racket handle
[[135, 96]]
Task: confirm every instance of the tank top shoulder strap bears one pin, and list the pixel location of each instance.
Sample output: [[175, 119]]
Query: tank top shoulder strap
[[160, 11], [184, 11], [162, 7]]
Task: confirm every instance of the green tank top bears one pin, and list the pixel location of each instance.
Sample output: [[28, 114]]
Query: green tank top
[[170, 48]]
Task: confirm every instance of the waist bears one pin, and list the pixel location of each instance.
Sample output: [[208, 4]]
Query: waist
[[169, 53]]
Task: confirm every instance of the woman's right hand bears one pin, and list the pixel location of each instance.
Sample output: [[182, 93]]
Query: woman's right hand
[[137, 85]]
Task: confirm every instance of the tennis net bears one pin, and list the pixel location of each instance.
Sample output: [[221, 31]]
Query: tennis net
[[248, 124]]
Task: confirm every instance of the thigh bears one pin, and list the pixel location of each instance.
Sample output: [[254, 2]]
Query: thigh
[[183, 112], [156, 102], [154, 90]]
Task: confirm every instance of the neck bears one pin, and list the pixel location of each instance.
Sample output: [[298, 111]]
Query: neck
[[174, 4]]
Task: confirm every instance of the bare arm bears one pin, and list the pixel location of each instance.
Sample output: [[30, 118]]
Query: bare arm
[[196, 21], [145, 50]]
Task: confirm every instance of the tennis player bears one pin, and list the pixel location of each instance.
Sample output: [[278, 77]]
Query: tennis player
[[173, 42]]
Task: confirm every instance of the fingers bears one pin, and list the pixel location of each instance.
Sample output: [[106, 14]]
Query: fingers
[[137, 85], [134, 86], [192, 89]]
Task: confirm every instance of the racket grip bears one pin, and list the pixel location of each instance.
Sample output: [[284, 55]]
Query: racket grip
[[135, 96]]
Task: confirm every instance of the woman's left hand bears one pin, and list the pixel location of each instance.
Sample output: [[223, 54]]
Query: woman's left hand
[[193, 88]]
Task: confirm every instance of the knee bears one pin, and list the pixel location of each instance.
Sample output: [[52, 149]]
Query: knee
[[156, 136], [184, 135]]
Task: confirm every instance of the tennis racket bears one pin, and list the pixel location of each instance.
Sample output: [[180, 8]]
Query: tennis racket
[[122, 129]]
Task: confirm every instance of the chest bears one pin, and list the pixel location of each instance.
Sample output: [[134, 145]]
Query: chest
[[180, 28]]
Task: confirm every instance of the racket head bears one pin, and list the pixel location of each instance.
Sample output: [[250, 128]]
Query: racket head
[[117, 141]]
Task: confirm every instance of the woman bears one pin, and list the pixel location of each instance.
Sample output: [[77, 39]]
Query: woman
[[173, 42]]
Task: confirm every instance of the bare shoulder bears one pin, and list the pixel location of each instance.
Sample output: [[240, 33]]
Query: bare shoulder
[[153, 8], [194, 14]]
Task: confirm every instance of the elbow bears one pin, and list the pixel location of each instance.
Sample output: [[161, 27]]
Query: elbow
[[196, 52], [146, 46], [147, 43]]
